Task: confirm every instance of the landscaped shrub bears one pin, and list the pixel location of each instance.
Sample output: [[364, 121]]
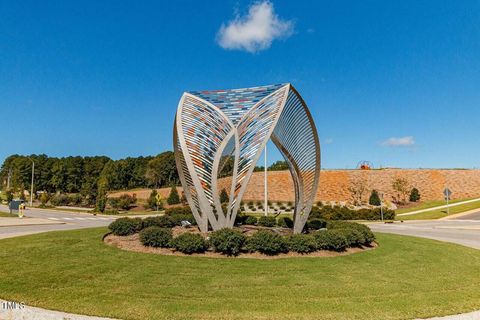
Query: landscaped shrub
[[365, 231], [160, 221], [173, 197], [251, 220], [124, 202], [285, 222], [125, 226], [264, 221], [156, 237], [374, 199], [316, 224], [240, 219], [181, 214], [227, 241], [414, 195], [301, 243], [190, 243], [59, 200], [344, 213], [266, 242], [224, 196], [333, 240], [354, 237]]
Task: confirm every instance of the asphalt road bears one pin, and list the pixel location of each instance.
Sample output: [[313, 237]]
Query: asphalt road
[[69, 221], [463, 230]]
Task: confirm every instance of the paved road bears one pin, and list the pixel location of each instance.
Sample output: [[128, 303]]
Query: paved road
[[70, 221], [471, 216], [464, 230]]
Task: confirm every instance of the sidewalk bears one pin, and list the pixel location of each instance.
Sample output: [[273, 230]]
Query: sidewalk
[[439, 207]]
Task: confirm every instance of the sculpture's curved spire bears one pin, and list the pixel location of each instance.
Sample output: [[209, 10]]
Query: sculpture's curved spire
[[207, 121]]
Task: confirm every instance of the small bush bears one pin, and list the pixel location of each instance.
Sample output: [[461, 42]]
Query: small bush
[[333, 240], [285, 222], [316, 224], [267, 242], [354, 237], [224, 196], [156, 237], [240, 219], [160, 221], [227, 241], [59, 200], [344, 213], [374, 199], [125, 226], [414, 195], [190, 243], [123, 202], [301, 243], [251, 220], [266, 221], [367, 235], [173, 197], [181, 214]]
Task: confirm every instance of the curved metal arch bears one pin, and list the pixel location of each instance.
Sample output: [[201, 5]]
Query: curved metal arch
[[251, 117]]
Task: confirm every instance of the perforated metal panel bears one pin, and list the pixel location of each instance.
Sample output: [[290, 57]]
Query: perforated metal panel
[[209, 123]]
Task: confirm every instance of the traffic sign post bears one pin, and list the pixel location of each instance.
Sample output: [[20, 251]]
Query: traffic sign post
[[447, 193], [381, 205]]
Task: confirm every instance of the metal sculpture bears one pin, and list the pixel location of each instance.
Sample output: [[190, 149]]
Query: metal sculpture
[[239, 122]]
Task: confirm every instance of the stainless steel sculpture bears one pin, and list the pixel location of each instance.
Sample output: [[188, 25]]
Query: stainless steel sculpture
[[209, 124]]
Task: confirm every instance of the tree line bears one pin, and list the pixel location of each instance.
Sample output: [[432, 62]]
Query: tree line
[[86, 175]]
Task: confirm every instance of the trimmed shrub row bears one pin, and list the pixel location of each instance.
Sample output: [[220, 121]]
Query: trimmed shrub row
[[127, 226], [344, 213]]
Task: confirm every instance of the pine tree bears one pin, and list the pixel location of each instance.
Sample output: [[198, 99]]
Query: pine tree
[[223, 196], [374, 199], [152, 200], [414, 195], [173, 197]]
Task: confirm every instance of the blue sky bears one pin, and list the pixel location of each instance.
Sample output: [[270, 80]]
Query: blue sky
[[395, 83]]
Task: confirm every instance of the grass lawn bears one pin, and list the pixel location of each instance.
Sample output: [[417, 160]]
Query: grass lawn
[[7, 215], [402, 279], [440, 213], [428, 204]]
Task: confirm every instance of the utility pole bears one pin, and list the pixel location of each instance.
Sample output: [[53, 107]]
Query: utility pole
[[31, 185], [266, 183]]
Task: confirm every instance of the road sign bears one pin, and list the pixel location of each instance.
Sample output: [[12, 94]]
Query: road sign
[[447, 193]]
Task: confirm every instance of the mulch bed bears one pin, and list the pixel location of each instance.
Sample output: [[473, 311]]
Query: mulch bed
[[132, 243]]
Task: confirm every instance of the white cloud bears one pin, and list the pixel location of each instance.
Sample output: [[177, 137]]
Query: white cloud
[[328, 141], [256, 30], [399, 142]]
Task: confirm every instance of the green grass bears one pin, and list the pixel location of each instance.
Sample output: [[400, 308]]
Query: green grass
[[404, 278], [427, 205], [7, 215], [440, 213]]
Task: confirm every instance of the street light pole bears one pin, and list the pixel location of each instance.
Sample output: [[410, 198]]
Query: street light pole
[[31, 185], [266, 186]]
